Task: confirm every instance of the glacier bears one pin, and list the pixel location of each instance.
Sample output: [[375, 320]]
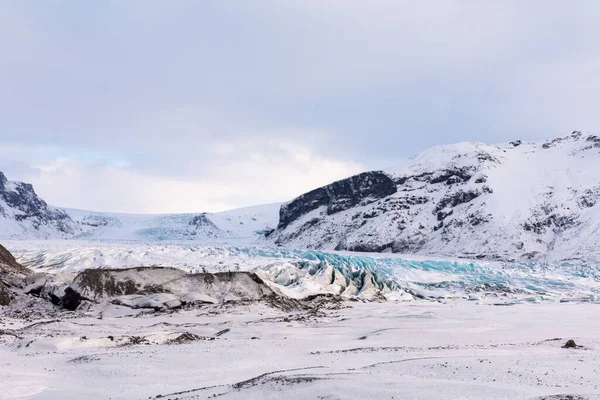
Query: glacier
[[300, 272]]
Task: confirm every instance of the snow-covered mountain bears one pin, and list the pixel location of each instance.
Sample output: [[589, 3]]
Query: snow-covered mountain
[[24, 215], [513, 201], [241, 223]]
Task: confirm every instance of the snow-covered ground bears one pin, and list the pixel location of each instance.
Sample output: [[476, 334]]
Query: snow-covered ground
[[419, 350]]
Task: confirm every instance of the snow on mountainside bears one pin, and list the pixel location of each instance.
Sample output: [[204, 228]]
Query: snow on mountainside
[[514, 201], [24, 215], [248, 222]]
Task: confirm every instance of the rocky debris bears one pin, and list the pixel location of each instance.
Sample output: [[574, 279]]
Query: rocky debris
[[570, 344], [10, 273], [71, 299], [4, 295], [155, 301], [187, 337], [135, 341], [341, 195], [222, 332], [29, 308], [84, 359]]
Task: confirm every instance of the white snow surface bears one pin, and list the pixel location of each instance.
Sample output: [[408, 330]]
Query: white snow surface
[[387, 350], [242, 223]]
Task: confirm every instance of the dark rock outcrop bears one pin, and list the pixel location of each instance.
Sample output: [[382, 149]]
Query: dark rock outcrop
[[28, 206], [8, 264], [202, 220], [70, 301], [339, 196], [454, 199], [9, 268], [4, 295]]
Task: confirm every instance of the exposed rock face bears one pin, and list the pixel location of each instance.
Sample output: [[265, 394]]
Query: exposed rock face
[[9, 268], [202, 220], [514, 201], [339, 196], [4, 295], [8, 264], [21, 208]]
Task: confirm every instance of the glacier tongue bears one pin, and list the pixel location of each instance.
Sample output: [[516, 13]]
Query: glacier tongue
[[303, 272]]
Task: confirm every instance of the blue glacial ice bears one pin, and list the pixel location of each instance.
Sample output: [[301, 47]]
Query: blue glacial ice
[[312, 269], [441, 278]]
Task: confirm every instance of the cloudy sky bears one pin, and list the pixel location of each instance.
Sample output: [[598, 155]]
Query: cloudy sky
[[186, 106]]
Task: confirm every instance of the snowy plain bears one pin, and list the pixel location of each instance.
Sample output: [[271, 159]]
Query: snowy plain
[[389, 350]]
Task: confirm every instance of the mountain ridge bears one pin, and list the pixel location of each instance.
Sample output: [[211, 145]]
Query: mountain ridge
[[24, 215], [514, 201]]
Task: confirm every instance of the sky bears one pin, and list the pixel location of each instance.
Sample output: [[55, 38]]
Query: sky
[[187, 106]]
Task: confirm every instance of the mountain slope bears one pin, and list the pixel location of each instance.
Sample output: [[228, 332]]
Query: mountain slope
[[515, 201], [247, 222], [24, 215]]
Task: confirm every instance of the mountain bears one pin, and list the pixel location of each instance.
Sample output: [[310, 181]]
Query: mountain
[[241, 223], [24, 215], [513, 201]]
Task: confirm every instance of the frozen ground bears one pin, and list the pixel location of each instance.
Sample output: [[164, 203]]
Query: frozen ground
[[418, 350]]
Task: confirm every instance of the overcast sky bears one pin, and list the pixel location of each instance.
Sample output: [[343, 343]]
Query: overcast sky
[[187, 106]]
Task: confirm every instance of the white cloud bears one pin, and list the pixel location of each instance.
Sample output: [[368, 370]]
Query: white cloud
[[254, 172]]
